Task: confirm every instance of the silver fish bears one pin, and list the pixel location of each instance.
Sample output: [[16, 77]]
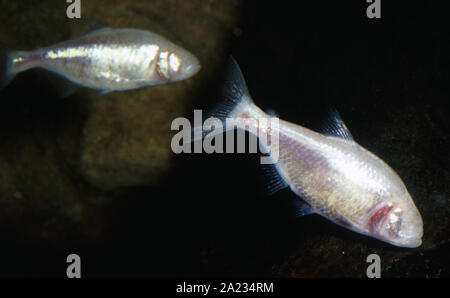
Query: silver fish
[[110, 59], [336, 177]]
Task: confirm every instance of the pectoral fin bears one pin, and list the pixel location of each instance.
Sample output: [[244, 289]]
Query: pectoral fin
[[272, 180], [301, 207]]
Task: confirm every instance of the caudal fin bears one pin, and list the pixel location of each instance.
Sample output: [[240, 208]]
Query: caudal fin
[[6, 66], [235, 95], [235, 99]]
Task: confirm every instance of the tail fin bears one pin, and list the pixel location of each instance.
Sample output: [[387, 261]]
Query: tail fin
[[235, 95], [6, 66], [235, 99]]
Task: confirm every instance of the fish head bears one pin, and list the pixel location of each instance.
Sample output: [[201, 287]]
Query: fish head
[[397, 221], [177, 64]]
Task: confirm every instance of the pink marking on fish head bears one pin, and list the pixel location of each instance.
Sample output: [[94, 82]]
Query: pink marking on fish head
[[397, 222]]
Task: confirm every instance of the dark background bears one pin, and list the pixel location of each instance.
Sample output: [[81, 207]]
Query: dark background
[[389, 80]]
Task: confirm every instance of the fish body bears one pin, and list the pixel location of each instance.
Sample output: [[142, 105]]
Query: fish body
[[334, 176], [110, 59]]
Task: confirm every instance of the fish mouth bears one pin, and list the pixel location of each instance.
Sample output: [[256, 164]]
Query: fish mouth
[[406, 242], [192, 68], [411, 242]]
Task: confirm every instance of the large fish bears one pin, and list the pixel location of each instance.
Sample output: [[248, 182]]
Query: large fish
[[109, 59], [335, 176]]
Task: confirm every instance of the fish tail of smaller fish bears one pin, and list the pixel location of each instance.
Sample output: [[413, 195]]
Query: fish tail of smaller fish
[[7, 69]]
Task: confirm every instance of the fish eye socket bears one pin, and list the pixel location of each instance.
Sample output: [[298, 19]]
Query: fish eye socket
[[395, 221], [174, 62]]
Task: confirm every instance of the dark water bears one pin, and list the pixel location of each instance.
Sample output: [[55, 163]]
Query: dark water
[[206, 216]]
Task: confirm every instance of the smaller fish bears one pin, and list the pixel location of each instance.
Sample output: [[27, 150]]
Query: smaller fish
[[108, 60]]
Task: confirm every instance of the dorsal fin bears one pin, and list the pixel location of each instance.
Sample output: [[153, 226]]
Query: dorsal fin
[[334, 126], [86, 27], [272, 113]]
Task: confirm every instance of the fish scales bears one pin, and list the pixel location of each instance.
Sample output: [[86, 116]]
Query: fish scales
[[311, 175]]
